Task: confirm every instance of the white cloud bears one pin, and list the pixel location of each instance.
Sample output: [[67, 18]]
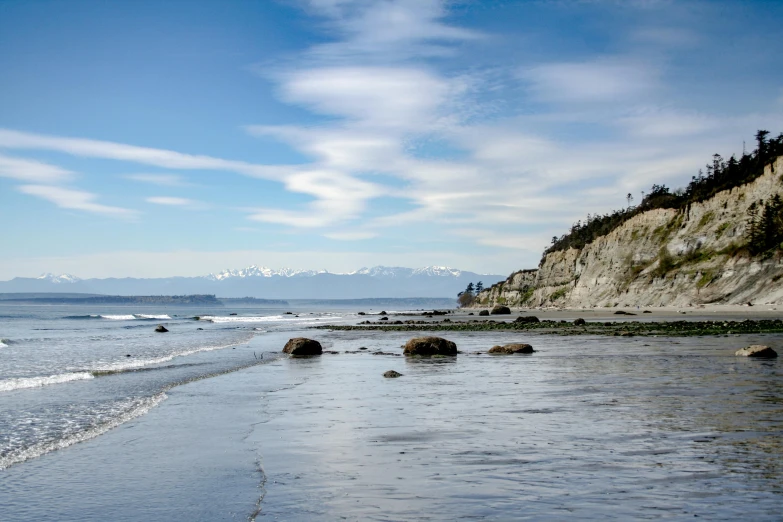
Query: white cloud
[[172, 201], [32, 171], [75, 200], [607, 80], [351, 236], [118, 151], [386, 29], [165, 180], [376, 96]]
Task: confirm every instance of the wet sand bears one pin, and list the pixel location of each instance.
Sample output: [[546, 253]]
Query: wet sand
[[587, 428]]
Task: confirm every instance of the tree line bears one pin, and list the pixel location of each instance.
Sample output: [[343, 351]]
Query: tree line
[[467, 296], [720, 175]]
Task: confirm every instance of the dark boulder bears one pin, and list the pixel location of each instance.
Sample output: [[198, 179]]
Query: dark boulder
[[384, 318], [484, 312], [579, 321], [527, 319], [508, 349], [361, 313], [383, 312], [302, 346], [429, 346], [500, 310], [756, 350], [160, 328], [391, 374]]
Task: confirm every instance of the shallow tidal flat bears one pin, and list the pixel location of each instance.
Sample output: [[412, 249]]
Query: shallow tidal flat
[[588, 427]]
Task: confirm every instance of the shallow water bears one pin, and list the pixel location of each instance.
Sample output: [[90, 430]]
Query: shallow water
[[586, 428]]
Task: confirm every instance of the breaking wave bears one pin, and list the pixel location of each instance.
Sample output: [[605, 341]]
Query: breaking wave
[[136, 409], [20, 383]]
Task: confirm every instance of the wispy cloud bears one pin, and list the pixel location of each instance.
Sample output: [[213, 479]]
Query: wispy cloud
[[32, 171], [174, 201], [351, 236], [75, 200], [604, 80], [164, 180]]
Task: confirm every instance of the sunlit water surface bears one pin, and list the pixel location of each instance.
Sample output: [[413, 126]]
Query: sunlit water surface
[[586, 428]]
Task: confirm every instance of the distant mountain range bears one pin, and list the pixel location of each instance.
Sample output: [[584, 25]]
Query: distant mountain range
[[266, 283]]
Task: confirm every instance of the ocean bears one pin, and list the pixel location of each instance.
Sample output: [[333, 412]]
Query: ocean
[[102, 418]]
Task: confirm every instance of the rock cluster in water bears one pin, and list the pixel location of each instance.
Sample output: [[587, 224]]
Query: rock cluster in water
[[302, 346], [756, 350], [429, 346], [509, 349]]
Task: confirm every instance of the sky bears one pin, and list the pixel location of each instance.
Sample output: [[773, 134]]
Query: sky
[[169, 138]]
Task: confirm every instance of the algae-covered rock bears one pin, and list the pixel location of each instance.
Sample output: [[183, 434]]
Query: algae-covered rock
[[579, 321], [756, 350], [508, 349], [484, 312], [500, 310], [527, 319], [429, 346], [302, 346], [391, 374], [162, 329]]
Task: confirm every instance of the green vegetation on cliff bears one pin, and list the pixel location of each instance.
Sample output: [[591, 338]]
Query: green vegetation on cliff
[[721, 175]]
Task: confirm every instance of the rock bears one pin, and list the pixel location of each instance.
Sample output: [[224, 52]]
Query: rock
[[233, 313], [756, 350], [383, 313], [391, 374], [484, 312], [579, 321], [302, 346], [500, 310], [384, 318], [471, 313], [289, 313], [508, 349], [527, 319], [199, 328], [620, 312], [363, 348], [361, 313], [647, 312], [429, 346], [161, 329]]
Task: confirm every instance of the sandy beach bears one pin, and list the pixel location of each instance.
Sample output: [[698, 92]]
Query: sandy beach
[[587, 427]]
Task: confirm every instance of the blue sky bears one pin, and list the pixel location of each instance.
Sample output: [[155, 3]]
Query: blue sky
[[180, 138]]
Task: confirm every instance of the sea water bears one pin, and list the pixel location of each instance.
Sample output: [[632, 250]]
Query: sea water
[[587, 428], [69, 373]]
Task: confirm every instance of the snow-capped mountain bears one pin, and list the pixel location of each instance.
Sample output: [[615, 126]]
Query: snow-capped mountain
[[268, 283], [57, 279], [375, 271], [262, 271]]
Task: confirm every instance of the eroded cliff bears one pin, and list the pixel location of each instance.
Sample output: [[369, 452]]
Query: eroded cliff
[[663, 257]]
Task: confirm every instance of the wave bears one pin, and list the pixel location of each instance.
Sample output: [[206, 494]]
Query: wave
[[122, 317], [20, 383], [4, 343], [252, 319], [136, 410], [129, 366]]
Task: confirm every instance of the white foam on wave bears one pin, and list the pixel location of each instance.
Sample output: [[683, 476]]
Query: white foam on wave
[[127, 365], [253, 319], [146, 316], [37, 382], [128, 317], [3, 343], [36, 450]]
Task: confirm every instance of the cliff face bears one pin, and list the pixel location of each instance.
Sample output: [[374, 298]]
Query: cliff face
[[658, 258]]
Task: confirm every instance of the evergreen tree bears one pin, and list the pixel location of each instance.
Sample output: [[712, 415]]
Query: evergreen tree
[[479, 287], [754, 238]]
